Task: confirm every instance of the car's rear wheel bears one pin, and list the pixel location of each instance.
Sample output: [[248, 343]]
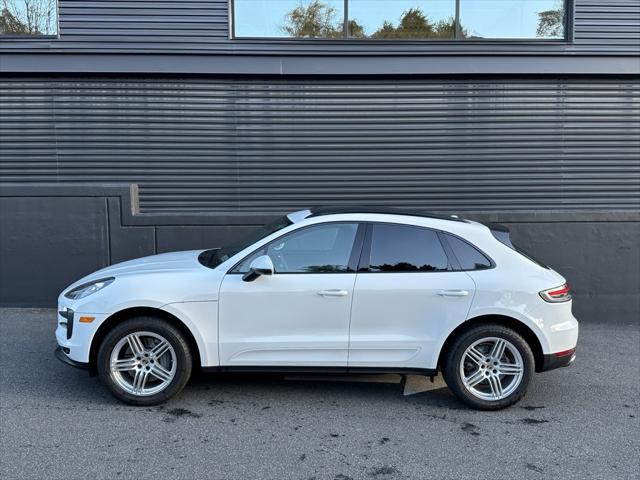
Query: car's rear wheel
[[489, 367], [144, 361]]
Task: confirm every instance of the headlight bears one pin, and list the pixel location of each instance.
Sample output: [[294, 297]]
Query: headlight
[[87, 289]]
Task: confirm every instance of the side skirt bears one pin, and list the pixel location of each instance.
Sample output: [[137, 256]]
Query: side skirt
[[429, 372]]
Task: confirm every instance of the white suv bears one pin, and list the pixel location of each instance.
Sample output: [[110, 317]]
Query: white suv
[[331, 289]]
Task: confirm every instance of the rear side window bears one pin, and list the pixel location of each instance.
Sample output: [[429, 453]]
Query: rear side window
[[403, 248], [469, 257]]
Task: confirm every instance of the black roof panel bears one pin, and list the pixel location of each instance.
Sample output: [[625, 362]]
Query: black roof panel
[[338, 209]]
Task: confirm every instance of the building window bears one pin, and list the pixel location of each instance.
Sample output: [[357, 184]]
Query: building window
[[512, 19], [288, 18], [400, 19], [29, 17]]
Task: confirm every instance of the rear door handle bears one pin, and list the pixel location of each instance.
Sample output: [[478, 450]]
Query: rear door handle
[[453, 293], [333, 292]]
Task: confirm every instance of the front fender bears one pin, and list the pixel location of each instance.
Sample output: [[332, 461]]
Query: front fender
[[201, 318]]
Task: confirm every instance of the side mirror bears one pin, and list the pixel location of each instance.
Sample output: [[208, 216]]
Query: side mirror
[[259, 266]]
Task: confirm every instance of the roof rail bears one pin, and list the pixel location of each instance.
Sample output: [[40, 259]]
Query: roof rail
[[338, 209]]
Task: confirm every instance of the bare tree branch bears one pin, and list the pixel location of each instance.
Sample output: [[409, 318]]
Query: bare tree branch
[[28, 17]]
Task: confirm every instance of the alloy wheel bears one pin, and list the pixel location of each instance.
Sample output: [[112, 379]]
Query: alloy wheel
[[142, 363], [491, 368]]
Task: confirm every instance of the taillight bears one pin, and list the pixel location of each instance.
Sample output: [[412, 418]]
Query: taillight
[[557, 294]]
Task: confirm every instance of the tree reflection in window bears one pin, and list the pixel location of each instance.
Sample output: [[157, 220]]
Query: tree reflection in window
[[315, 20], [415, 24], [326, 268], [319, 20], [28, 17], [551, 22], [406, 267], [401, 19], [513, 19]]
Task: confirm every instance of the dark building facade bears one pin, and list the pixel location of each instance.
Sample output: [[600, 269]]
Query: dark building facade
[[142, 127]]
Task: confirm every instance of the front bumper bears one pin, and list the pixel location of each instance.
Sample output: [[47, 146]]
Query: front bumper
[[74, 336], [552, 361], [62, 356]]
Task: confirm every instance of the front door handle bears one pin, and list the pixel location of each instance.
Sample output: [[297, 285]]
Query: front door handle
[[333, 292], [453, 293]]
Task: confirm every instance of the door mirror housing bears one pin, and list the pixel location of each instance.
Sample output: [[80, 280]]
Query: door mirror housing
[[261, 265]]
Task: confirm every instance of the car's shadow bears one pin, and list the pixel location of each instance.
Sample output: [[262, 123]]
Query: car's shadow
[[42, 380], [76, 387]]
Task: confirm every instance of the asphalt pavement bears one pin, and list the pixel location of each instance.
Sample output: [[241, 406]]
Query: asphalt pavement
[[58, 423]]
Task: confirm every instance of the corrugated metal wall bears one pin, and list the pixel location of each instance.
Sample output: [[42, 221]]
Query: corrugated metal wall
[[202, 26], [605, 26], [273, 145]]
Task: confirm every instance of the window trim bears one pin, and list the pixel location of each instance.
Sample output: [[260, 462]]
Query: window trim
[[354, 256], [568, 30], [365, 257], [13, 36]]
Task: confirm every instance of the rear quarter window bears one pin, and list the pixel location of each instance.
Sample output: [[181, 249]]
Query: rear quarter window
[[502, 234], [469, 257]]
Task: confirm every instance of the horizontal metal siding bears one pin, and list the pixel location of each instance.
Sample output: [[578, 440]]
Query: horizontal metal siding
[[134, 24], [273, 145], [612, 25], [202, 26]]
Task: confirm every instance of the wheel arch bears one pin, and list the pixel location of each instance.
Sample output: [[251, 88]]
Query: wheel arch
[[517, 325], [133, 312]]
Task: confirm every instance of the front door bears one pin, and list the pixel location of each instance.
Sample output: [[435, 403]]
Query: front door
[[406, 295], [299, 316]]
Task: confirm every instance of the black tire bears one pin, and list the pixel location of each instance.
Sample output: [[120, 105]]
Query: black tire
[[453, 358], [184, 360]]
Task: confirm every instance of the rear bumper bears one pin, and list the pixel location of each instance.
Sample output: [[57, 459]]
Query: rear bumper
[[552, 361], [60, 355]]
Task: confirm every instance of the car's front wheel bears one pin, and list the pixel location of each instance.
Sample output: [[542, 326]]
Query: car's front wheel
[[144, 361], [489, 367]]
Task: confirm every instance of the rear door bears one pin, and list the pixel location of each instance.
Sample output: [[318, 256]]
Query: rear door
[[406, 295]]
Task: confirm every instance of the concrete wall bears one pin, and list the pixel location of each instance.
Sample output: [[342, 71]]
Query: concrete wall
[[50, 235]]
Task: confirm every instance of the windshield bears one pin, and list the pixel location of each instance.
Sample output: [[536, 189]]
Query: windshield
[[213, 258]]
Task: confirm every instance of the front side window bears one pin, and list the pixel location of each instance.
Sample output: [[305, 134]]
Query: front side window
[[29, 17], [324, 248], [402, 248], [399, 19]]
